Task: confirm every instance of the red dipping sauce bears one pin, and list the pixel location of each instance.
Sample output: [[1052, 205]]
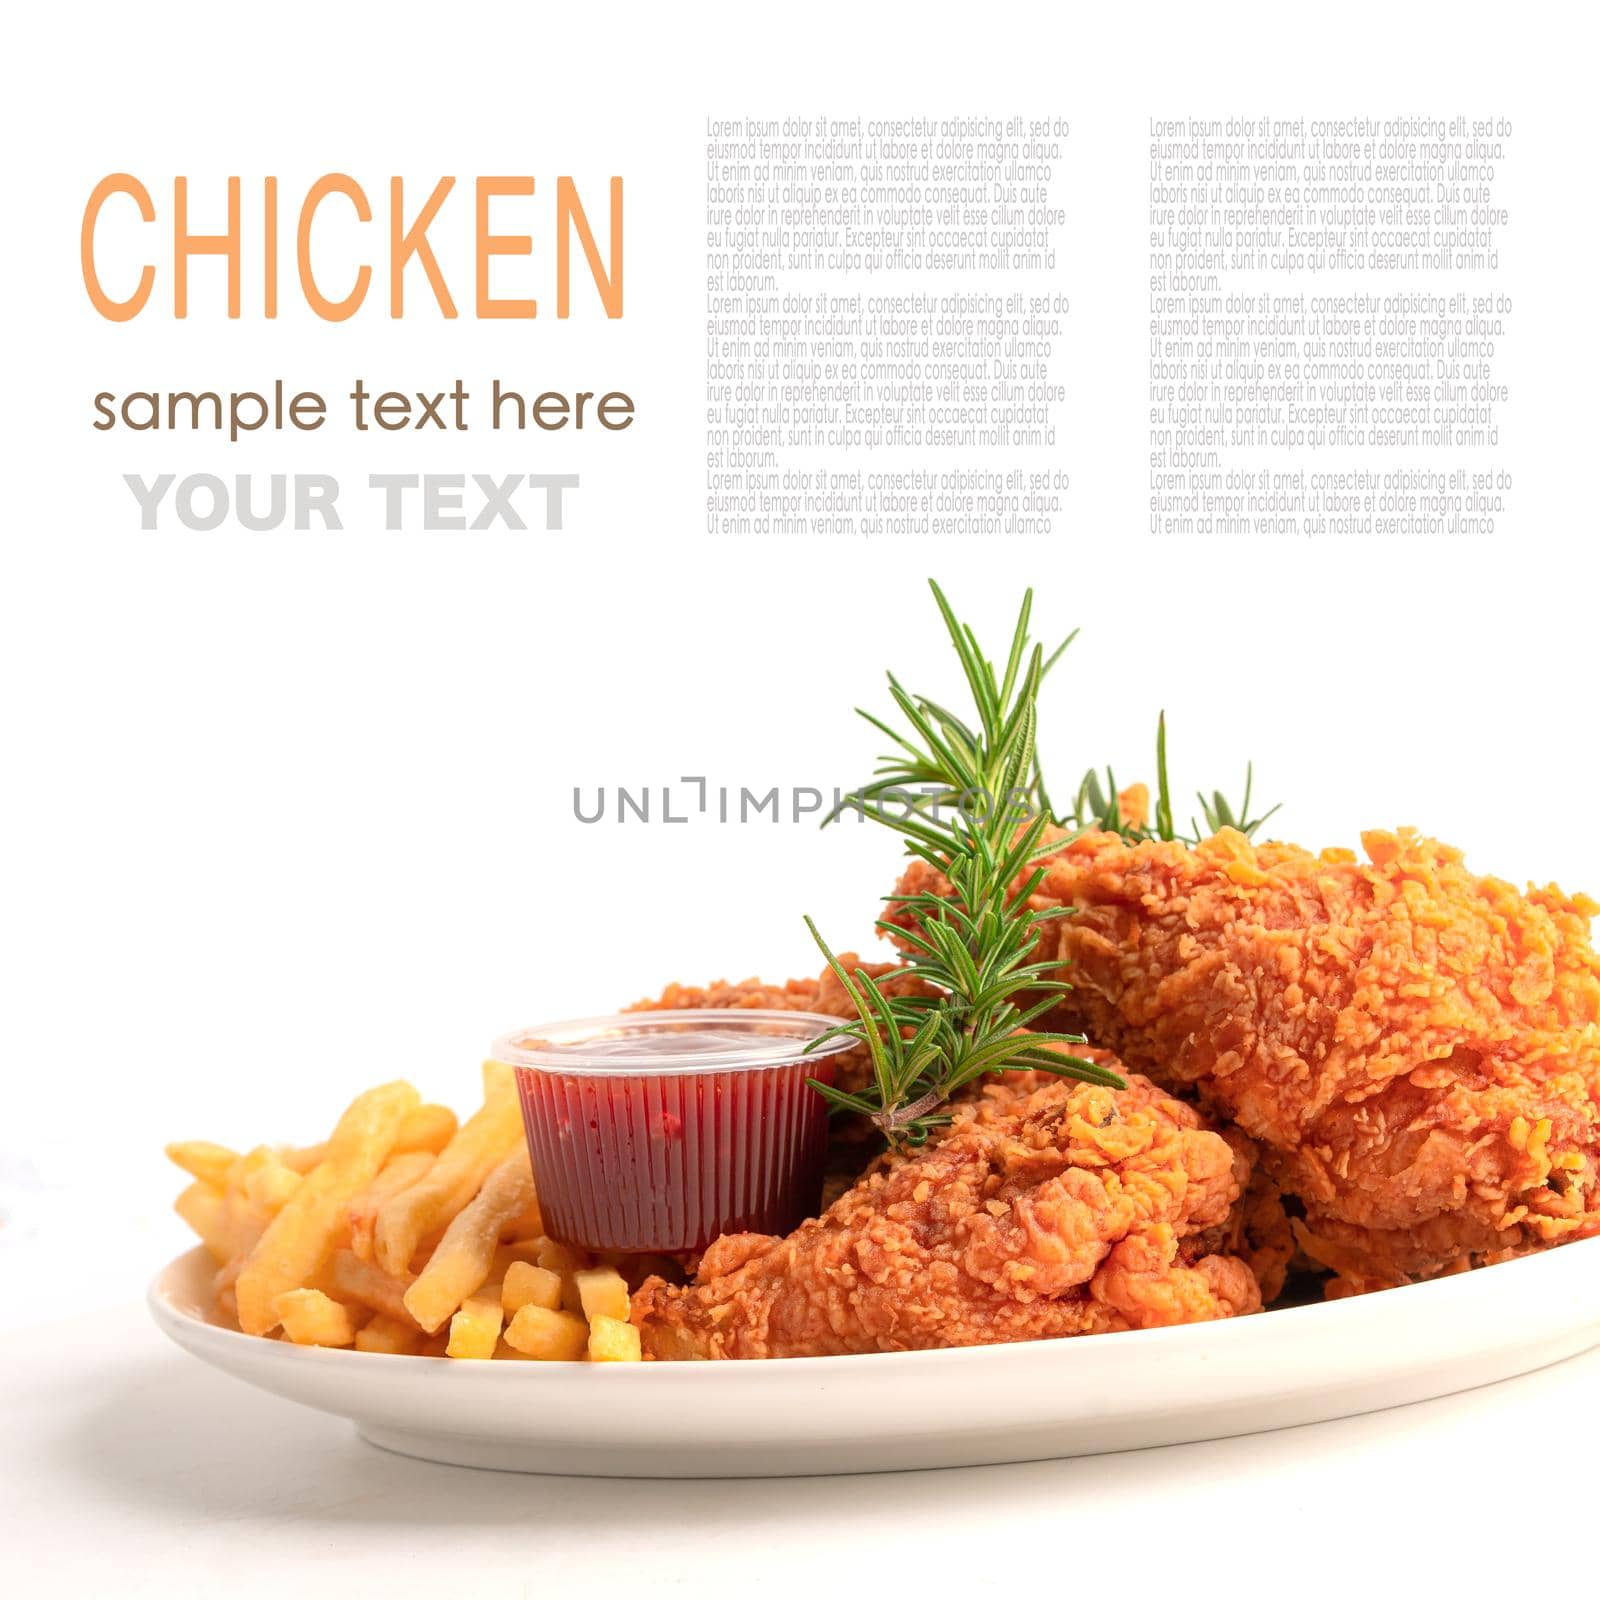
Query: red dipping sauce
[[663, 1130]]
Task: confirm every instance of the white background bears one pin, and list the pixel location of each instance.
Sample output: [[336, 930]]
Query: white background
[[286, 814]]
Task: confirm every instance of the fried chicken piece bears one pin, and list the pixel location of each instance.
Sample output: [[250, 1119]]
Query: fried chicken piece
[[1257, 1229], [1416, 1048], [798, 994], [1044, 1211]]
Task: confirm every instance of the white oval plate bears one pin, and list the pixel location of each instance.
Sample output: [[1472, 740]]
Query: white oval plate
[[927, 1408]]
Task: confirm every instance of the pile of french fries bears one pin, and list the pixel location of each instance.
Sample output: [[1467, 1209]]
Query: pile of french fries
[[405, 1233]]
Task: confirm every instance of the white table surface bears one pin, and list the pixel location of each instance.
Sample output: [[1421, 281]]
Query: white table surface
[[131, 1469]]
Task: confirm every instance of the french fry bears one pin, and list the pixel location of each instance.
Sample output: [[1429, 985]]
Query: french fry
[[429, 1128], [254, 1178], [269, 1184], [300, 1239], [460, 1265], [528, 1223], [548, 1335], [475, 1330], [386, 1337], [564, 1261], [311, 1317], [368, 1284], [245, 1218], [237, 1179], [304, 1158], [602, 1293], [423, 1254], [613, 1340], [400, 1173], [528, 1285], [558, 1257], [303, 1236], [506, 1255], [245, 1225], [203, 1160], [202, 1207], [480, 1145]]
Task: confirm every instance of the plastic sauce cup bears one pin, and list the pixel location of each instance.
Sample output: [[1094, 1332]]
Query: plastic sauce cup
[[663, 1130]]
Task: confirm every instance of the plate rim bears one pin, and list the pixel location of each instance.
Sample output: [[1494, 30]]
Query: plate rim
[[169, 1315]]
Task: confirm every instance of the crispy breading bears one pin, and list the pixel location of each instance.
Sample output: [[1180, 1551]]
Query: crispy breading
[[1044, 1211], [798, 994], [1416, 1048]]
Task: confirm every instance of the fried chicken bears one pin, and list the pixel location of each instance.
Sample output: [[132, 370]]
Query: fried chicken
[[1047, 1209], [1416, 1048]]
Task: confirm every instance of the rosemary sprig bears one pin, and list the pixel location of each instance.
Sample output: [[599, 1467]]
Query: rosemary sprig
[[971, 803], [969, 798], [1095, 806]]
